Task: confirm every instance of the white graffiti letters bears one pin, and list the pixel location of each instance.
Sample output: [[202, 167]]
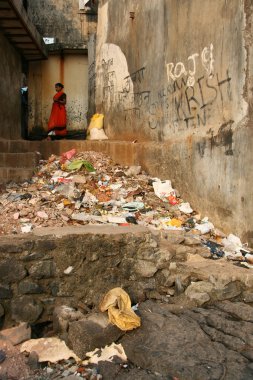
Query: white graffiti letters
[[207, 60]]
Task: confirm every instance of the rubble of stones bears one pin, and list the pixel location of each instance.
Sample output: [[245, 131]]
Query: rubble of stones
[[183, 344], [87, 188]]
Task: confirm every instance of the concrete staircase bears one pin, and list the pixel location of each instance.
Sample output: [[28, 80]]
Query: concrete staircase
[[18, 166]]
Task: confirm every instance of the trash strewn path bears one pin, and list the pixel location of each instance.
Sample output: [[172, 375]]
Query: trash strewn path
[[87, 188], [193, 317]]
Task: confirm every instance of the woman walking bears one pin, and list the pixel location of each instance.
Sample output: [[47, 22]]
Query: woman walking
[[57, 125]]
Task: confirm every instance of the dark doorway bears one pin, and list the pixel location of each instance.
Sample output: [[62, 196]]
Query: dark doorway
[[25, 4], [24, 100]]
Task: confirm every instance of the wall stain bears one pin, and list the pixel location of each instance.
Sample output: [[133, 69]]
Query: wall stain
[[224, 138], [201, 147]]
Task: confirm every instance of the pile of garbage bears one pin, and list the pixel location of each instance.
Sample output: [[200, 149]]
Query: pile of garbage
[[87, 188]]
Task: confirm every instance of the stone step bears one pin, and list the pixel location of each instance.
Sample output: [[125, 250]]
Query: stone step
[[19, 160], [8, 174]]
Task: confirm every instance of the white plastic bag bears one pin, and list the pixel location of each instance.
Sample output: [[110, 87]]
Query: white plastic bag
[[97, 134], [185, 208], [163, 189]]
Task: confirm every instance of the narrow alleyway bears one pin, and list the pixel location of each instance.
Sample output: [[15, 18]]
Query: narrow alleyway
[[126, 229]]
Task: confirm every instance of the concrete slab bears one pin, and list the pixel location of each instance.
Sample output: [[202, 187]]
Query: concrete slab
[[95, 229]]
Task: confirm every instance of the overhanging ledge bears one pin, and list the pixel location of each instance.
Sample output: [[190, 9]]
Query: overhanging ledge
[[20, 31]]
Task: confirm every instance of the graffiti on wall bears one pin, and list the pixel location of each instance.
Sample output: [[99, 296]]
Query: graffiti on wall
[[180, 69], [194, 91]]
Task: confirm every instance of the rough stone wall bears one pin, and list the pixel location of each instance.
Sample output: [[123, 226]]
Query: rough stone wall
[[34, 280], [10, 104], [180, 73]]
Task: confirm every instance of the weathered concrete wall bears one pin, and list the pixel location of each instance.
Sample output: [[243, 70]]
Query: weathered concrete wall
[[72, 70], [62, 20], [180, 73], [10, 104], [92, 75]]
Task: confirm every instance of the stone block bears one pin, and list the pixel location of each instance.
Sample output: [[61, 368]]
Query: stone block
[[182, 252], [11, 270], [199, 292], [26, 309], [54, 287], [237, 309], [62, 316], [145, 268], [203, 252], [10, 248], [226, 292], [94, 331], [29, 287], [18, 334], [33, 256], [42, 269], [45, 245], [174, 237], [191, 241], [5, 292]]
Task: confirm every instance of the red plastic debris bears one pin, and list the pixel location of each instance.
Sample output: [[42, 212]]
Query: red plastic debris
[[67, 156]]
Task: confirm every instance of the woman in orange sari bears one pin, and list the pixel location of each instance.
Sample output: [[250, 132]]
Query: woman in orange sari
[[58, 119]]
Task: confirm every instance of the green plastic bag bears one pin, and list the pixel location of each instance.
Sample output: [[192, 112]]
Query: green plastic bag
[[78, 164]]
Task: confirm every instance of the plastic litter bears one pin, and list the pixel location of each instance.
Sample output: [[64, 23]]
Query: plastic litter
[[26, 228], [95, 130], [120, 313], [107, 194], [97, 122], [131, 219], [190, 223], [97, 134], [78, 164], [232, 244], [67, 156], [108, 353], [175, 223], [205, 227], [49, 349], [185, 208], [173, 200], [69, 191], [133, 206], [25, 196], [133, 171], [162, 189], [215, 249]]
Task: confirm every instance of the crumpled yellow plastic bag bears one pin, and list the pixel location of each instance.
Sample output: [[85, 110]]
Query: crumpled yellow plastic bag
[[120, 313], [97, 121]]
